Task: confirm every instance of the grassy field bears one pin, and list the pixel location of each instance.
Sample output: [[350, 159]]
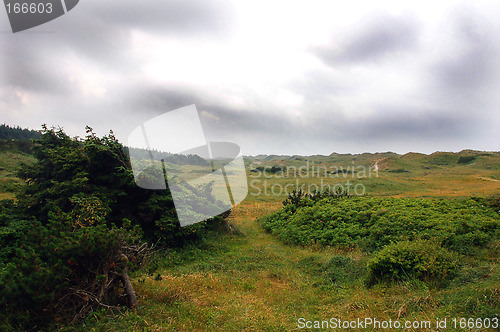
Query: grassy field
[[254, 282], [9, 182], [440, 174]]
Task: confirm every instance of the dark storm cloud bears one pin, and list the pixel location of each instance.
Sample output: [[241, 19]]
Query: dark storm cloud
[[387, 122], [392, 122], [159, 99], [100, 33], [451, 82], [220, 117], [214, 113], [372, 41]]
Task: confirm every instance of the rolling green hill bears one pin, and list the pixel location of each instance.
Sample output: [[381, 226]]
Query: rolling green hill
[[259, 281], [414, 174], [388, 174]]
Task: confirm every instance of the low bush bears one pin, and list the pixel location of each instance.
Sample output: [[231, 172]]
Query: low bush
[[466, 159], [420, 259], [60, 269], [492, 201], [374, 222]]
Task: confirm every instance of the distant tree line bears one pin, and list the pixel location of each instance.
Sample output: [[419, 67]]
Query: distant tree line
[[24, 134], [178, 159], [8, 132]]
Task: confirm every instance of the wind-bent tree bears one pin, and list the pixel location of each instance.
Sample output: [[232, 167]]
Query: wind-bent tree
[[76, 229], [73, 241]]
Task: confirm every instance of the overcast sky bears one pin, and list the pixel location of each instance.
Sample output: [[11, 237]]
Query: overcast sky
[[283, 77]]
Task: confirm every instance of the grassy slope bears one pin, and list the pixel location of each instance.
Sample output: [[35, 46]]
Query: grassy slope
[[411, 175], [9, 161], [255, 283]]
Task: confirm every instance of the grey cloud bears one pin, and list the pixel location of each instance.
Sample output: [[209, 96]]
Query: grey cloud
[[375, 39], [100, 33], [426, 125], [398, 122], [100, 36], [319, 86], [425, 122], [159, 99], [217, 116], [393, 122], [174, 16], [35, 61], [22, 67], [223, 118], [472, 64]]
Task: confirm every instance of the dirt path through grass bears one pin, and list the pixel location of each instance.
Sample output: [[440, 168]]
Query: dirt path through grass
[[249, 282], [488, 179], [252, 282]]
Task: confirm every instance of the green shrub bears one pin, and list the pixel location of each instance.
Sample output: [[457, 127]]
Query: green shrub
[[492, 201], [466, 159], [296, 197], [443, 158], [60, 268], [423, 260], [69, 171], [76, 229], [374, 222]]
